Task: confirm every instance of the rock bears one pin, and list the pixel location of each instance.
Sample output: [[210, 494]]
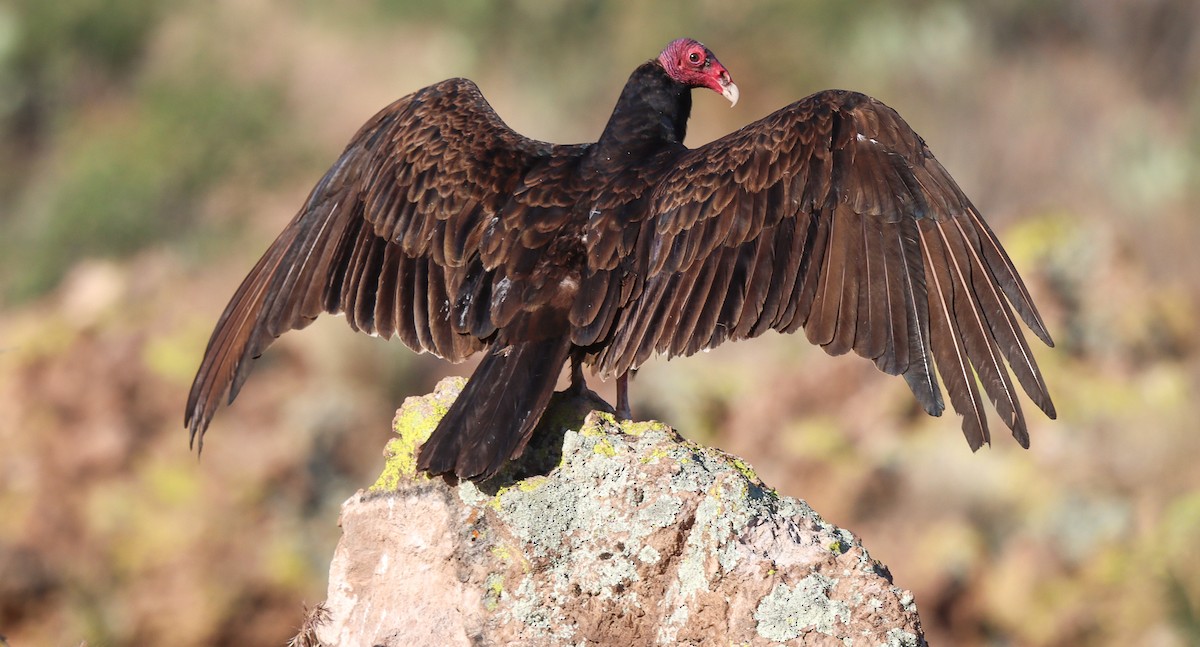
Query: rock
[[602, 534]]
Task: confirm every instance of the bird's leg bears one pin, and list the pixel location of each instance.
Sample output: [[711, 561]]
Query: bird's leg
[[578, 385], [623, 410]]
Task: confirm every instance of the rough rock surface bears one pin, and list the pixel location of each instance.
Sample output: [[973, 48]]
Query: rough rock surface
[[603, 534]]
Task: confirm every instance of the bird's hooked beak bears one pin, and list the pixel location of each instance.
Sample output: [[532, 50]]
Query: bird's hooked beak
[[729, 89]]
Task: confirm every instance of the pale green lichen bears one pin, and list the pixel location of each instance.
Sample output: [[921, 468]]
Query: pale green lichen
[[526, 608], [532, 483], [493, 591], [654, 455], [659, 513], [604, 448], [545, 515], [597, 424], [900, 638], [399, 462], [787, 612], [610, 571], [525, 485], [649, 555], [414, 422], [744, 468], [642, 428], [670, 629], [471, 495]]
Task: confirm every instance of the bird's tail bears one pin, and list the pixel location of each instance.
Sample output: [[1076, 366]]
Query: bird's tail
[[495, 415]]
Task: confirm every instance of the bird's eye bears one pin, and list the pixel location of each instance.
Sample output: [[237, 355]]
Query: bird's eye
[[695, 58]]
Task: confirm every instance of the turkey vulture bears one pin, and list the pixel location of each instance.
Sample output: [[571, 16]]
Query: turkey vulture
[[440, 225]]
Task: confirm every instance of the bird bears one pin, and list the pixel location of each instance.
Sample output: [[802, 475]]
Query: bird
[[440, 225]]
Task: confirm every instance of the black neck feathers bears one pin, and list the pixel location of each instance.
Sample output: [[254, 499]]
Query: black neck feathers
[[652, 112]]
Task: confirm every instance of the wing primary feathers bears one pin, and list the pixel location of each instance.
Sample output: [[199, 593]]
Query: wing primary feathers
[[919, 373], [225, 352], [947, 345], [1005, 331], [1006, 276], [977, 335], [275, 308]]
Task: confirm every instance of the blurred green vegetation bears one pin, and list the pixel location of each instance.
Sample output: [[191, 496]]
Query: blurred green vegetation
[[150, 149], [135, 183], [115, 156]]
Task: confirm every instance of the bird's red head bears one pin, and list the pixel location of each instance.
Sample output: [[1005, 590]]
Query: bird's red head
[[691, 63]]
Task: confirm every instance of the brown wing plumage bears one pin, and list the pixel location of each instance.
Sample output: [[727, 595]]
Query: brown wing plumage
[[832, 215], [390, 236]]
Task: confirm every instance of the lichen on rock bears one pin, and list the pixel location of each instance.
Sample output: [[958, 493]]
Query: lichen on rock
[[414, 423], [603, 533]]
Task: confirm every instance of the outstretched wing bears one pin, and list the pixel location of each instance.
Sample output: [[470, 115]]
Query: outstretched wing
[[832, 215], [388, 237]]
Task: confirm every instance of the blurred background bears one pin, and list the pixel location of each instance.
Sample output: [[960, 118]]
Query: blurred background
[[150, 150]]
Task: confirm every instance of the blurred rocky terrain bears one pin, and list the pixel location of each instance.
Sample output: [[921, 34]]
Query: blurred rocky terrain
[[150, 151]]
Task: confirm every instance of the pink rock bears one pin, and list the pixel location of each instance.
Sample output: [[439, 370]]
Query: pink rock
[[632, 536]]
